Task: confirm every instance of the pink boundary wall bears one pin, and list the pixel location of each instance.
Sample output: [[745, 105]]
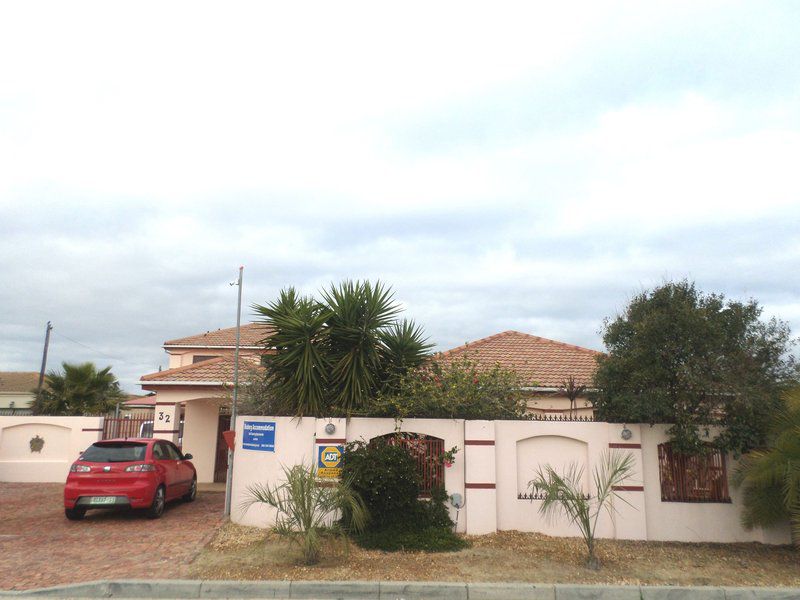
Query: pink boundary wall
[[496, 459], [64, 439]]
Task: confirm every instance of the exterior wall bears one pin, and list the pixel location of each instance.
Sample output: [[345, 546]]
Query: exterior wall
[[182, 358], [557, 404], [495, 462], [19, 399], [200, 436], [695, 522], [64, 439]]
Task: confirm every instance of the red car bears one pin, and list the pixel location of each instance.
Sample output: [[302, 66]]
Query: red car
[[129, 473]]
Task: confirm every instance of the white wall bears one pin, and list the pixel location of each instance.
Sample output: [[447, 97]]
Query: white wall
[[495, 461], [695, 522], [64, 439], [201, 422]]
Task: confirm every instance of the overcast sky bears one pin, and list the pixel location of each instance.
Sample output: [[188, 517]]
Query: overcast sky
[[506, 167]]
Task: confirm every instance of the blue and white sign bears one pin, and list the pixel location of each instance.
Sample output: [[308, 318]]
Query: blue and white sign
[[259, 435]]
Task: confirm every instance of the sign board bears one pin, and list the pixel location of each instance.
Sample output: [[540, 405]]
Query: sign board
[[328, 461], [259, 435]]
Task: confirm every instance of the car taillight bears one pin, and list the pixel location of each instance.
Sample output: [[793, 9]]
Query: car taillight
[[139, 468], [75, 468]]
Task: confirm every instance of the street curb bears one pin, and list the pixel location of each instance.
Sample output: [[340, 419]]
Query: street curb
[[390, 590]]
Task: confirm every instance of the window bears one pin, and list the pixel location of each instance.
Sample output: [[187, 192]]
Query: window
[[158, 452], [200, 357], [426, 451], [698, 478], [107, 452], [172, 452]]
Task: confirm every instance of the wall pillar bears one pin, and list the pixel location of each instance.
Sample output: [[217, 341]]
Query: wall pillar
[[480, 494], [630, 518], [167, 421]]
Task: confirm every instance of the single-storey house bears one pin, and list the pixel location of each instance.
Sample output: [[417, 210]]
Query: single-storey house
[[545, 369], [18, 389]]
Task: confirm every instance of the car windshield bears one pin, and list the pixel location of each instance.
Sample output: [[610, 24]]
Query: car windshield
[[114, 452]]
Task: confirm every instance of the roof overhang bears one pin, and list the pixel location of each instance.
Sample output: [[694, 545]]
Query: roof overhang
[[192, 383], [189, 347]]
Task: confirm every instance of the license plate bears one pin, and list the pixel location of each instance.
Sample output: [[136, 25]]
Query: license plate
[[104, 500]]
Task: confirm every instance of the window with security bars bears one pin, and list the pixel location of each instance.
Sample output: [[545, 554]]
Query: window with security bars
[[426, 451], [692, 478]]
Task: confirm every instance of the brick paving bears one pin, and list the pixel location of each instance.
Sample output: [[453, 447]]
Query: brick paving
[[40, 547]]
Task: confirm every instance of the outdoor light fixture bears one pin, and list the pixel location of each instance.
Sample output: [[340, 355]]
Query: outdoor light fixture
[[626, 433], [330, 428]]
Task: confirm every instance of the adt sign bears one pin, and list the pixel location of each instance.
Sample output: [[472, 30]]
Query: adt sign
[[259, 435], [328, 462]]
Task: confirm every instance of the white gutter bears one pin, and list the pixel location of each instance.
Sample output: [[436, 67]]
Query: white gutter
[[188, 347], [157, 382]]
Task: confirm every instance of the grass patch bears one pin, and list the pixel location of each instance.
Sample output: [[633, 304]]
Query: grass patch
[[397, 539]]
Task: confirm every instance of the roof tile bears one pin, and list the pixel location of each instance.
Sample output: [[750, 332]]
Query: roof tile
[[537, 360], [251, 334]]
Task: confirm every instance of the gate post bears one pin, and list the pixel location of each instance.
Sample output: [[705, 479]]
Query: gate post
[[480, 477], [167, 421]]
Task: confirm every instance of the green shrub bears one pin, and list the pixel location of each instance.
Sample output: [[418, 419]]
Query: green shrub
[[385, 477]]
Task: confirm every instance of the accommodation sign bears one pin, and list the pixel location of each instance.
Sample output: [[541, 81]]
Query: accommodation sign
[[259, 435], [329, 460]]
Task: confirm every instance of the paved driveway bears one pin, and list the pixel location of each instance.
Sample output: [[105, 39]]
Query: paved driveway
[[40, 547]]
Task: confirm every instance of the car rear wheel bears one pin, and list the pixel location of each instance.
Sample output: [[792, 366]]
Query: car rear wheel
[[192, 493], [75, 514], [157, 507]]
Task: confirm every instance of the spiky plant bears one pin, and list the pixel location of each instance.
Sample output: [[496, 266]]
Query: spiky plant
[[770, 477], [77, 390], [563, 495], [307, 511]]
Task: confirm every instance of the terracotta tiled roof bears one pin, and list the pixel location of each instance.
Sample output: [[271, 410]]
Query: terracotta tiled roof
[[538, 361], [250, 335], [214, 370], [136, 400], [18, 381]]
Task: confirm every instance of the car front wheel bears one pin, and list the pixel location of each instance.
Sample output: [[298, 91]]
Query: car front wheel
[[75, 514], [192, 493], [157, 507]]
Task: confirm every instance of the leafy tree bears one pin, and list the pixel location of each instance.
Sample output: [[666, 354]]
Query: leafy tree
[[572, 390], [307, 510], [452, 390], [563, 495], [770, 477], [333, 354], [80, 389], [676, 355]]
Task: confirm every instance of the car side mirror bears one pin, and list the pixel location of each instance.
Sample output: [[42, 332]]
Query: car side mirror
[[187, 456]]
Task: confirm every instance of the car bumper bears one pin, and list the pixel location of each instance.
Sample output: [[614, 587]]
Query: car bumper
[[80, 494]]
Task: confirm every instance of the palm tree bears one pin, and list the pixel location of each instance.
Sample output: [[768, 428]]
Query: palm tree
[[770, 477], [572, 390], [81, 389], [333, 355], [308, 510], [562, 495]]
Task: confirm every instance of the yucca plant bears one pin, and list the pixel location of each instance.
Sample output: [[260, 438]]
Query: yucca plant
[[308, 510], [333, 355], [770, 477], [562, 495]]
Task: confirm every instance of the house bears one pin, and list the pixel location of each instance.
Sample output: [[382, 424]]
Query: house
[[196, 389], [18, 389], [544, 367]]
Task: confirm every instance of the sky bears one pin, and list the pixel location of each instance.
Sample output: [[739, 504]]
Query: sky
[[525, 166]]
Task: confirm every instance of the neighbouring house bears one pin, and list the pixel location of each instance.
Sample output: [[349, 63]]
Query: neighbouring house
[[18, 389], [544, 367], [196, 390]]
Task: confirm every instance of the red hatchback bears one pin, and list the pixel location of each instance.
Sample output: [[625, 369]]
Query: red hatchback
[[130, 473]]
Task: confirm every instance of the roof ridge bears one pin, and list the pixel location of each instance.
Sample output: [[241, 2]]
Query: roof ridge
[[477, 342], [184, 368], [544, 339]]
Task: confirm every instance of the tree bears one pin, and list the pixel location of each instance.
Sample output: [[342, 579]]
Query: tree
[[694, 360], [563, 495], [331, 355], [452, 390], [770, 477], [80, 389], [571, 389], [308, 510]]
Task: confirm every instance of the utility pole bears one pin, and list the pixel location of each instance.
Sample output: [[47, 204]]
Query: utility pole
[[44, 358], [229, 478]]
